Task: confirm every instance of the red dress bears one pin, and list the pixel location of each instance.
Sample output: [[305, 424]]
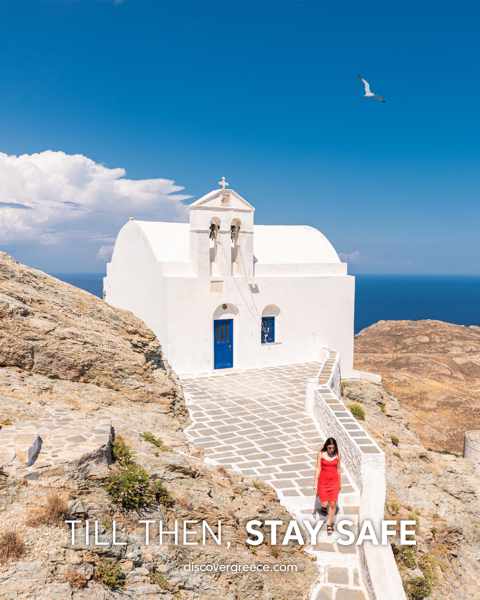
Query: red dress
[[328, 485]]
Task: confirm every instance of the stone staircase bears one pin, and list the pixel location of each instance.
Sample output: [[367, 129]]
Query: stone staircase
[[338, 565]]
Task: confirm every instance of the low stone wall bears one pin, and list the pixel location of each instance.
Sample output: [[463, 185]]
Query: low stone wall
[[365, 462], [471, 448]]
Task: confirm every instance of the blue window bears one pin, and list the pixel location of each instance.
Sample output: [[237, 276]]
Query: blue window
[[268, 330]]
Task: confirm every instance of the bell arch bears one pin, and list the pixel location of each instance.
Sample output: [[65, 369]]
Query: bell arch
[[235, 251], [214, 239]]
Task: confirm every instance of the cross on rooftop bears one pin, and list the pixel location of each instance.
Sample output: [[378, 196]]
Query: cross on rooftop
[[223, 183]]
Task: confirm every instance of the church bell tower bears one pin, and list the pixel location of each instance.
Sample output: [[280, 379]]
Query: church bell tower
[[221, 235]]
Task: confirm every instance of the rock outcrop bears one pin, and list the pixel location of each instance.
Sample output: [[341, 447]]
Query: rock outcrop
[[51, 328], [433, 369], [71, 366]]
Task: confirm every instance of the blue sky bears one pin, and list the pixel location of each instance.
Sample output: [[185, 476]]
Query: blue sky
[[264, 93]]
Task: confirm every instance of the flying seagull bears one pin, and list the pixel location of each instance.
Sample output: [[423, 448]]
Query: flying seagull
[[368, 91]]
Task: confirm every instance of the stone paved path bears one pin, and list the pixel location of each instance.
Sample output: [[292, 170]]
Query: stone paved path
[[254, 423], [66, 435]]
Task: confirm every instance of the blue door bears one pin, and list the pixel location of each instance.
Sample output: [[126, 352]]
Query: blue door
[[223, 343]]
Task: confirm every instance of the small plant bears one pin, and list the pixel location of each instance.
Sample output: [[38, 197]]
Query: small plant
[[418, 588], [157, 578], [427, 565], [259, 485], [382, 406], [76, 580], [106, 521], [11, 546], [397, 454], [54, 512], [393, 507], [415, 516], [147, 436], [161, 493], [5, 422], [407, 556], [110, 574], [121, 452], [395, 440], [130, 488], [357, 411]]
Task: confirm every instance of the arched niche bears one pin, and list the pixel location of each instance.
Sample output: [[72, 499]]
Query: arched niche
[[225, 311], [271, 310], [214, 229], [214, 233], [235, 227]]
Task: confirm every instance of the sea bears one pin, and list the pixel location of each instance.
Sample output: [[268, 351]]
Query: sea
[[451, 298]]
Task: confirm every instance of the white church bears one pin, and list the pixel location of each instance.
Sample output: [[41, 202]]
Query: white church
[[221, 292]]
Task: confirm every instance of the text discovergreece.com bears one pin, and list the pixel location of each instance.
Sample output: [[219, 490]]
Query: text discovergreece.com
[[240, 568]]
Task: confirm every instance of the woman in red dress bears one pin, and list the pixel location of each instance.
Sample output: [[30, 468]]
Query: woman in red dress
[[328, 480]]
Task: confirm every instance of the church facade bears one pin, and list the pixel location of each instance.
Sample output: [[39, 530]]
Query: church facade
[[221, 292]]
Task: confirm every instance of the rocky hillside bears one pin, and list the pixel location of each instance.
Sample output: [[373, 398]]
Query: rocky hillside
[[71, 366], [53, 329], [433, 369], [440, 491]]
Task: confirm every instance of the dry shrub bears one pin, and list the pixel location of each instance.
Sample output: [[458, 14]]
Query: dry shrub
[[274, 551], [53, 512], [223, 471], [184, 470], [184, 502], [76, 579], [11, 546]]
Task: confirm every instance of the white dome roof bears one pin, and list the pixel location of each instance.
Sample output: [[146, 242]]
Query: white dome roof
[[272, 244], [287, 244]]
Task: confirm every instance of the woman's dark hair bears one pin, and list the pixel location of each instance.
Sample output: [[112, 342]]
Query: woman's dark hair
[[330, 442]]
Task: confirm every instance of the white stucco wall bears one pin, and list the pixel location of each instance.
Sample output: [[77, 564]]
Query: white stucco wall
[[134, 282], [312, 313]]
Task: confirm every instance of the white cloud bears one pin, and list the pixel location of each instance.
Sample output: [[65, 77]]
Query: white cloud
[[350, 257], [105, 252], [57, 198]]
